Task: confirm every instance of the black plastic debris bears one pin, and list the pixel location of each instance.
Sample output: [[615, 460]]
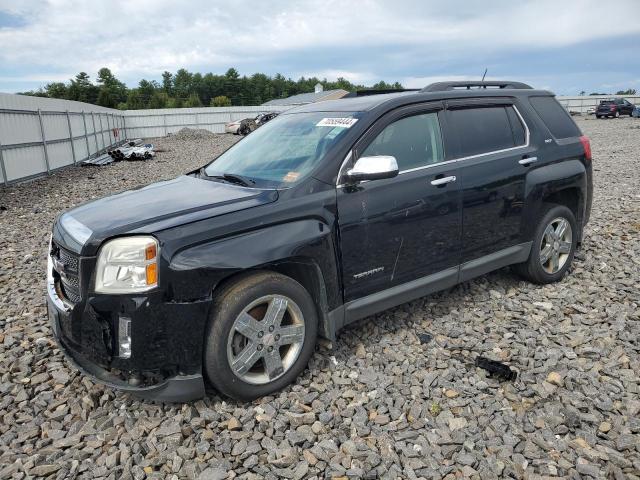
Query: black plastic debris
[[425, 338], [496, 369]]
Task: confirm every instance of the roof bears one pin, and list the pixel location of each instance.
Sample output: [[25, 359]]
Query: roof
[[305, 98], [369, 102]]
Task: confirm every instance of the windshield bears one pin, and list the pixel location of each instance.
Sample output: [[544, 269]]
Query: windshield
[[284, 150]]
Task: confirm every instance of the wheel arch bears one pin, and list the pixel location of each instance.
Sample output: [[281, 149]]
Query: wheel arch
[[563, 183], [303, 250]]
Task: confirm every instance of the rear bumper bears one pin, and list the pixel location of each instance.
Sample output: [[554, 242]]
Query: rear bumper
[[166, 361]]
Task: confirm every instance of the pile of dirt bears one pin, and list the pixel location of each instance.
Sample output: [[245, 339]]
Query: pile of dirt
[[193, 134]]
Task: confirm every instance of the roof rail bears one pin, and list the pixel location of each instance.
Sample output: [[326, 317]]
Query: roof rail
[[468, 85]]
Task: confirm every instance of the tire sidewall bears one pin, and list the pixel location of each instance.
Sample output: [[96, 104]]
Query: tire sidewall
[[225, 311], [535, 266]]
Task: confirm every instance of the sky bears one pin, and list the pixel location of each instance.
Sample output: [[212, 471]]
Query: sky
[[565, 46]]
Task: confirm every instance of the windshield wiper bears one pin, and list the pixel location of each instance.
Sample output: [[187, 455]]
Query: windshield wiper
[[230, 177], [239, 179]]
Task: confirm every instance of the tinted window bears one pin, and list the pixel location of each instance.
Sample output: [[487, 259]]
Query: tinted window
[[519, 134], [555, 117], [413, 141], [482, 130]]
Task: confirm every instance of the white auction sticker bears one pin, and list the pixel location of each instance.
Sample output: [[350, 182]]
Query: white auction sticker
[[346, 122]]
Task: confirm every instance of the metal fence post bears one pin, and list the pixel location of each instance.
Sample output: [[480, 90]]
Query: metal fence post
[[73, 148], [86, 135], [110, 132], [44, 141], [164, 121], [95, 134], [124, 126], [4, 170], [104, 142]]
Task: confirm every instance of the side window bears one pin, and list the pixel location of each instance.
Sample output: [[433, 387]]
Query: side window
[[556, 118], [482, 129], [414, 141]]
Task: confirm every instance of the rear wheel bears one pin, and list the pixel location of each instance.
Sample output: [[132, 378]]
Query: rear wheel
[[553, 246], [261, 334]]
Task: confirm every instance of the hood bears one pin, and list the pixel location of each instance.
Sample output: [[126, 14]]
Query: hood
[[152, 208]]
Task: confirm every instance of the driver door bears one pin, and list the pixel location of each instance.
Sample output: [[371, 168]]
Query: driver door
[[396, 230]]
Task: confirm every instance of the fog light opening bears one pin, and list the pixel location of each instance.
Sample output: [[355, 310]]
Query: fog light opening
[[124, 337]]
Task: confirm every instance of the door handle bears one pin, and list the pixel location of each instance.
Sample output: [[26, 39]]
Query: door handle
[[527, 161], [443, 181]]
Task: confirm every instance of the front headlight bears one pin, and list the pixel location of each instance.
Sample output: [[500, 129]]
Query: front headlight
[[127, 265]]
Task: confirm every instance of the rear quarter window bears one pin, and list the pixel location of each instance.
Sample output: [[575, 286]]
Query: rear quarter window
[[555, 117], [485, 129]]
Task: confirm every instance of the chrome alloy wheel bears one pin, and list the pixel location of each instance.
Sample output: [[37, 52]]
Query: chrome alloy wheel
[[265, 339], [556, 245]]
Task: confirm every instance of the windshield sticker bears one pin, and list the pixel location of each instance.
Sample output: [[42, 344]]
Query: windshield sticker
[[291, 177], [346, 122]]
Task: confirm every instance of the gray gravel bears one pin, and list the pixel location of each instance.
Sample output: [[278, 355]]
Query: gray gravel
[[377, 403]]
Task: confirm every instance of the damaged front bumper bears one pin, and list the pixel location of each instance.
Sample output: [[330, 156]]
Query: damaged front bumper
[[164, 362]]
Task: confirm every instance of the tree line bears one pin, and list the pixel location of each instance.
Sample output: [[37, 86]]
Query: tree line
[[187, 89]]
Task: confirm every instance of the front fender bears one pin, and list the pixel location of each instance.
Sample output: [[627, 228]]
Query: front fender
[[195, 271], [550, 180]]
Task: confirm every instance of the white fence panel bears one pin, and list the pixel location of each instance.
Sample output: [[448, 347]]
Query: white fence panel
[[166, 121], [24, 162], [38, 135]]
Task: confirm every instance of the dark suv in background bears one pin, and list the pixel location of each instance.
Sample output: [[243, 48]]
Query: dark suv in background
[[614, 108], [329, 213]]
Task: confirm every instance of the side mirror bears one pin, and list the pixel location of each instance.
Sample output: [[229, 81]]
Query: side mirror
[[373, 168]]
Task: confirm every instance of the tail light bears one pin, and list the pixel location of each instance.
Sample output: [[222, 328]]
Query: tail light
[[586, 144], [612, 108]]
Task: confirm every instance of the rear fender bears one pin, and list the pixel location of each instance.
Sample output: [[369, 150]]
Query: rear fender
[[549, 181]]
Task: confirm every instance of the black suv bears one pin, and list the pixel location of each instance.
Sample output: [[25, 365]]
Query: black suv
[[614, 108], [329, 213]]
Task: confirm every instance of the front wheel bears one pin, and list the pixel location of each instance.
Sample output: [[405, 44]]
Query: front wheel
[[553, 246], [261, 334]]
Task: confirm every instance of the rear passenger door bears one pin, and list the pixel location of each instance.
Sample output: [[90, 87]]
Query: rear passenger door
[[494, 154]]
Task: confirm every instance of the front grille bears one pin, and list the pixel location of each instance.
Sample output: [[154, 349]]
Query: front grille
[[66, 267]]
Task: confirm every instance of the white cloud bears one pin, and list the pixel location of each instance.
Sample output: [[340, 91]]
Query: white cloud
[[145, 37]]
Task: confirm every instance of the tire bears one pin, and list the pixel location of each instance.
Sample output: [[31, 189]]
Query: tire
[[617, 115], [534, 269], [254, 295], [598, 117]]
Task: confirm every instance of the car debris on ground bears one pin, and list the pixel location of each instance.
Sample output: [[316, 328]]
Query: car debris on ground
[[248, 125], [132, 150]]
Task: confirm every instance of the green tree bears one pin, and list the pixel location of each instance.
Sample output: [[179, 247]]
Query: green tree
[[159, 100], [56, 90], [112, 91], [220, 101], [167, 82], [630, 91], [82, 90], [193, 101], [135, 101], [182, 84]]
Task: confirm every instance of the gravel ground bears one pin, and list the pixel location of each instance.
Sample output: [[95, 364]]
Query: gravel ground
[[378, 402]]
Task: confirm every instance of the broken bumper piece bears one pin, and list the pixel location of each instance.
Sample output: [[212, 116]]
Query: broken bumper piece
[[162, 360]]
